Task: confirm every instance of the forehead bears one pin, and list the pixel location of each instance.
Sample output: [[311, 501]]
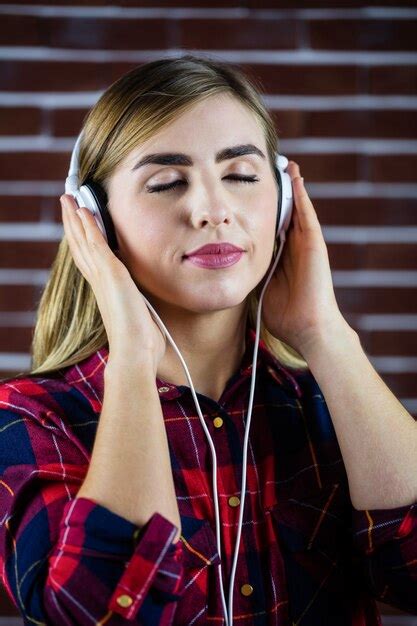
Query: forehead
[[204, 129]]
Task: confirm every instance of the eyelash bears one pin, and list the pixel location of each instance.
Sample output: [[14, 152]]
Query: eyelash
[[243, 179]]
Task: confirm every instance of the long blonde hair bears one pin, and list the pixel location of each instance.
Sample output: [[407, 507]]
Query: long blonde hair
[[69, 327]]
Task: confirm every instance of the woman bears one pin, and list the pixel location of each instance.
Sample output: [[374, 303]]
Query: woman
[[106, 500]]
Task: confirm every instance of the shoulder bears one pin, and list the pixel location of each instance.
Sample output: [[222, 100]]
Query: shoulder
[[305, 397], [298, 382], [55, 397]]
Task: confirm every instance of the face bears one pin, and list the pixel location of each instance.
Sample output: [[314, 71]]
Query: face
[[207, 204]]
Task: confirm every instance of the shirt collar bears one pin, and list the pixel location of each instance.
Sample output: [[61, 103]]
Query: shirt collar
[[266, 364]]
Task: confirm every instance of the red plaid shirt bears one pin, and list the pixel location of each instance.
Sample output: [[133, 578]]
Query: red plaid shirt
[[306, 557]]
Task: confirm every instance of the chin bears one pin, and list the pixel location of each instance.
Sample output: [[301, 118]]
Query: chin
[[212, 301]]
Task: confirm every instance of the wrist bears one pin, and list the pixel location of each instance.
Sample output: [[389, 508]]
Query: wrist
[[125, 365], [327, 337]]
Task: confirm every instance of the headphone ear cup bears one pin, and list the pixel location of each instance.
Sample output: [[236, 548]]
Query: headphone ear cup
[[97, 203], [285, 200], [278, 177]]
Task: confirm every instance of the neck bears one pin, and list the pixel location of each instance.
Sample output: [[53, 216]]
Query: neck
[[212, 346]]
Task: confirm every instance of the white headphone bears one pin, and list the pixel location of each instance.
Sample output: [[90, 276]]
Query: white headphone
[[93, 197]]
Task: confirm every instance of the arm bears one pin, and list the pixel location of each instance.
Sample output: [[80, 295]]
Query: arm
[[130, 470], [377, 436], [64, 558], [378, 442]]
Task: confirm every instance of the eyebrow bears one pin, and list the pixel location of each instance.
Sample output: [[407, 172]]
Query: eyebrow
[[176, 158]]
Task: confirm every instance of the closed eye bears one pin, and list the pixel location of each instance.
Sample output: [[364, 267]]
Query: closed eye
[[235, 177]]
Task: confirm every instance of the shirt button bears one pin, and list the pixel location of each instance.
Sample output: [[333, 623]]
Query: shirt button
[[162, 389], [234, 501], [124, 600], [246, 590], [218, 422]]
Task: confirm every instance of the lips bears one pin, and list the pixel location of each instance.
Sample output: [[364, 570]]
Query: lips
[[215, 248], [214, 261]]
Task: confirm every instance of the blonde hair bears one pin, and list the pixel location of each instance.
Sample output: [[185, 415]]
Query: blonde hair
[[69, 327]]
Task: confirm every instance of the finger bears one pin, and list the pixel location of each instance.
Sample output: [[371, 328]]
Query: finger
[[307, 216], [75, 234], [95, 238]]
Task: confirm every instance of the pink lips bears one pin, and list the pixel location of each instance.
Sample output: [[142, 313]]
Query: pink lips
[[215, 261], [215, 256]]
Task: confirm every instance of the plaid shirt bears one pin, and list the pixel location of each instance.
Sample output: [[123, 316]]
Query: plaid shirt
[[306, 557]]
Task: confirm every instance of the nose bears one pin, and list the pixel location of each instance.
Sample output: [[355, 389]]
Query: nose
[[214, 212], [212, 218]]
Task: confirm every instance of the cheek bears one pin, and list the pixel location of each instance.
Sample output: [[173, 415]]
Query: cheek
[[264, 223], [265, 229], [144, 235]]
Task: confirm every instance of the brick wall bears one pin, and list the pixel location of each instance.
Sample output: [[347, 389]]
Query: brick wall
[[341, 83]]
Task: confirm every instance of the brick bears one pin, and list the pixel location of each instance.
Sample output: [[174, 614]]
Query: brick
[[378, 211], [327, 167], [299, 79], [66, 122], [241, 34], [307, 4], [184, 3], [20, 121], [355, 300], [363, 123], [363, 34], [372, 256], [395, 256], [396, 168], [288, 123], [28, 254], [108, 34], [19, 297], [252, 4], [28, 208], [390, 342], [34, 165], [15, 339], [20, 30], [18, 75], [393, 79], [64, 2], [401, 384], [38, 76]]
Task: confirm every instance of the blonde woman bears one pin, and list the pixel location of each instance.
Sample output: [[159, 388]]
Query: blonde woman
[[106, 498]]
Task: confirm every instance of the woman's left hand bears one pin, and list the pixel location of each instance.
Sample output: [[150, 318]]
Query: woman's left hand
[[299, 305]]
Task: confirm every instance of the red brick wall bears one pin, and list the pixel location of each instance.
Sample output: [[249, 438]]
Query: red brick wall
[[341, 83]]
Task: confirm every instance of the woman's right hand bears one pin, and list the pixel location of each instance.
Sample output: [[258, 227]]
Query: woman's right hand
[[128, 321]]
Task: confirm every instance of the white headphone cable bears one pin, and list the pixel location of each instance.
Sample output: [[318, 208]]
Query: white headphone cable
[[164, 330], [247, 427]]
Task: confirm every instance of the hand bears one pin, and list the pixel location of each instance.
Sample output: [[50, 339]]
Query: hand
[[299, 304], [128, 322]]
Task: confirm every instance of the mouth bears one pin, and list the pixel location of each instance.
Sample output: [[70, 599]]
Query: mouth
[[221, 247], [215, 261]]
